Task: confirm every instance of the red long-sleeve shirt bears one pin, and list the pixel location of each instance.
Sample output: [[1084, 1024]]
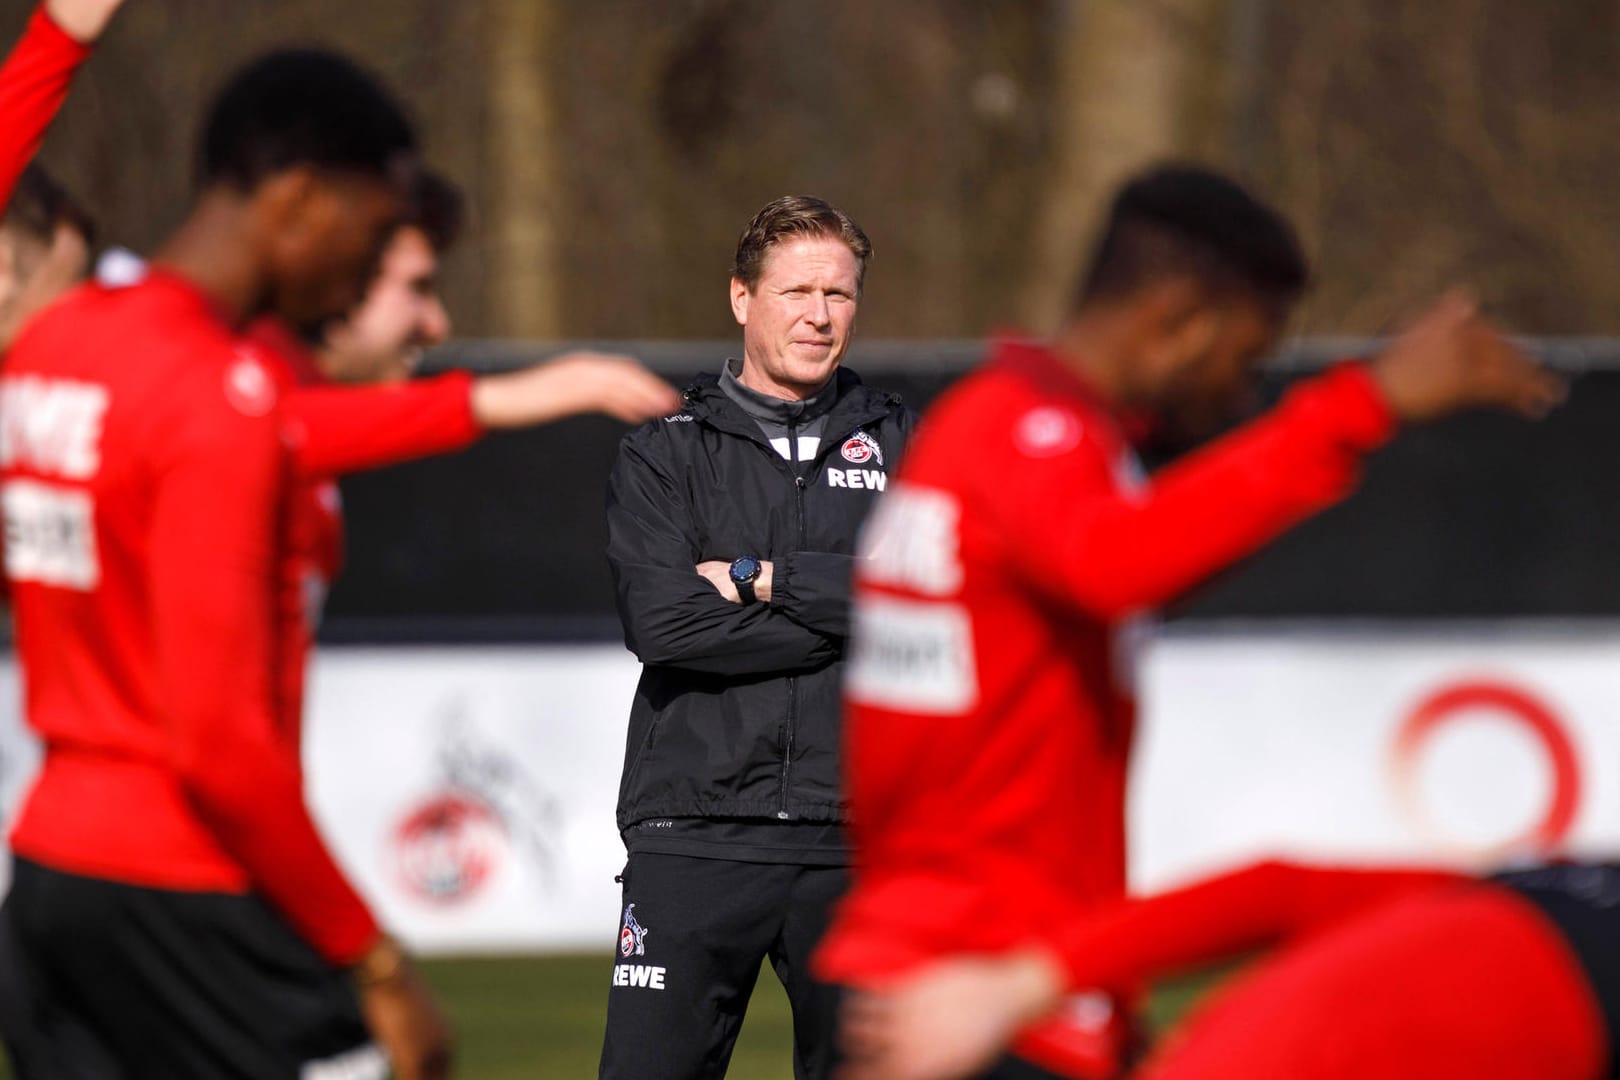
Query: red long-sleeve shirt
[[33, 84], [143, 474], [989, 701], [1389, 973], [333, 430], [1260, 906]]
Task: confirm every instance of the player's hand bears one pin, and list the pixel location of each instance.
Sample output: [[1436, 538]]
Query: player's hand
[[948, 1022], [83, 20], [574, 383], [407, 1023], [719, 575], [1451, 358]]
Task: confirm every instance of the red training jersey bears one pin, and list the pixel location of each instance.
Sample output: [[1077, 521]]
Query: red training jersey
[[332, 430], [33, 84], [990, 708], [142, 478]]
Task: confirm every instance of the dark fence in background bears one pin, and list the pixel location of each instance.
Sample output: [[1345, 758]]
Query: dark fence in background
[[1481, 516]]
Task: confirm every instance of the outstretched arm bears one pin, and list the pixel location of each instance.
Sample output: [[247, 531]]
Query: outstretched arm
[[1115, 555], [35, 78], [84, 20], [953, 1018], [335, 430]]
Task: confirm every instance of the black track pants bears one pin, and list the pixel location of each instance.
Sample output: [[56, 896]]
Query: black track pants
[[689, 951]]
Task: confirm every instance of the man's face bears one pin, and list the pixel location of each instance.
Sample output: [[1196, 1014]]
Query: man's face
[[1210, 382], [798, 318], [402, 314], [33, 274], [326, 240]]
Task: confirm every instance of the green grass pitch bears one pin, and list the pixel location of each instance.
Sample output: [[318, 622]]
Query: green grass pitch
[[522, 1018]]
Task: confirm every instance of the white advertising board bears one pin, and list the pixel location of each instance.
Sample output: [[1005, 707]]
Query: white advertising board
[[1468, 748], [470, 790]]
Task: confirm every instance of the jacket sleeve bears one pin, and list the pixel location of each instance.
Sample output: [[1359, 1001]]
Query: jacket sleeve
[[335, 430], [212, 563], [672, 615], [1075, 534], [1224, 917], [33, 84], [813, 588]]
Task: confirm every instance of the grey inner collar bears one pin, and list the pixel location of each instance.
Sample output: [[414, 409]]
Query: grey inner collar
[[775, 411]]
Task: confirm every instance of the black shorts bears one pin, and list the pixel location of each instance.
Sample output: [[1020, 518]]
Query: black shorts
[[1583, 901], [100, 979]]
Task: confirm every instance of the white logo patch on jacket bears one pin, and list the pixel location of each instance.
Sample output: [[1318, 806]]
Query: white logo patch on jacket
[[858, 479]]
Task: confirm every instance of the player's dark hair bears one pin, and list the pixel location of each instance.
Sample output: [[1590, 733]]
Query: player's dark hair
[[791, 217], [1183, 220], [302, 107], [436, 206], [39, 204]]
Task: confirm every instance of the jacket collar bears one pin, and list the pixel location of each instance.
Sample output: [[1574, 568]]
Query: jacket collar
[[769, 410], [855, 404]]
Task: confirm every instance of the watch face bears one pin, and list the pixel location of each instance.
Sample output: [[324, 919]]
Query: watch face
[[745, 569]]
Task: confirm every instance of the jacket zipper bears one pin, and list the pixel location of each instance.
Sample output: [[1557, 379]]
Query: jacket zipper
[[793, 680], [799, 485]]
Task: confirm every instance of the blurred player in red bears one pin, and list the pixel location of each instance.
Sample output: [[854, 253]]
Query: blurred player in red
[[336, 424], [990, 707], [174, 911], [1393, 974], [45, 242]]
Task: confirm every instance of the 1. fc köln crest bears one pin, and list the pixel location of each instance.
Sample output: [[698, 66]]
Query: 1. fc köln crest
[[633, 937], [860, 448]]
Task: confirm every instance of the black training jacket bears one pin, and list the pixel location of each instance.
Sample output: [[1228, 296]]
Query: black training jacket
[[736, 713]]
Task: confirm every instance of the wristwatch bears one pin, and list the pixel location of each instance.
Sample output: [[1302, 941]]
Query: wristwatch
[[744, 572]]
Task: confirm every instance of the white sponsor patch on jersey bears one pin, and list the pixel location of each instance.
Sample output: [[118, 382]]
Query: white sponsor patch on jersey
[[912, 656], [52, 426], [911, 541], [858, 479], [50, 535]]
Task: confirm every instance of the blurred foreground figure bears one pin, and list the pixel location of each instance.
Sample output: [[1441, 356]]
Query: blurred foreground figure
[[45, 242], [174, 911], [335, 429], [990, 706], [1386, 974]]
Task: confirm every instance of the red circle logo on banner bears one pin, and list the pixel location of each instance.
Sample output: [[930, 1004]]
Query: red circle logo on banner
[[448, 848], [1528, 714]]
